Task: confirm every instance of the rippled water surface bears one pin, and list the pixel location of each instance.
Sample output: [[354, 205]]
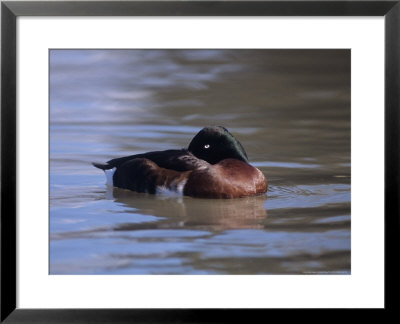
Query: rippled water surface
[[290, 109]]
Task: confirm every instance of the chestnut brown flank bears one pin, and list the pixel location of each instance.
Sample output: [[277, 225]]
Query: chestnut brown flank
[[228, 179]]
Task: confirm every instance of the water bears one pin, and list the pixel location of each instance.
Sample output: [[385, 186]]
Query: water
[[290, 109]]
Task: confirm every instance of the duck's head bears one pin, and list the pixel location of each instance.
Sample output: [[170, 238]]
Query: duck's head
[[215, 143]]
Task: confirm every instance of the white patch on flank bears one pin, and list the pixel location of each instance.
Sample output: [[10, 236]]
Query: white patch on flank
[[163, 190], [109, 176], [180, 186], [173, 190]]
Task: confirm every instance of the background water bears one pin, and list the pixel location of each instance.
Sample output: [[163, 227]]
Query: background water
[[289, 108]]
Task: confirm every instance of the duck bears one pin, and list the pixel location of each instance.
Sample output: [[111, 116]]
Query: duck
[[214, 165]]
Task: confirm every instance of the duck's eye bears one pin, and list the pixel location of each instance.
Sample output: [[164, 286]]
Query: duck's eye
[[207, 146]]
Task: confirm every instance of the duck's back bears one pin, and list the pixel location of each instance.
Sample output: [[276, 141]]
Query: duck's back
[[177, 160]]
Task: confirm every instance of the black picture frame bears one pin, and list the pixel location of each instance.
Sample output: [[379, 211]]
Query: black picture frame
[[10, 10]]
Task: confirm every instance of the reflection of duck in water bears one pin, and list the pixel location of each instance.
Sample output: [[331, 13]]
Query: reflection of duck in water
[[215, 165], [189, 213]]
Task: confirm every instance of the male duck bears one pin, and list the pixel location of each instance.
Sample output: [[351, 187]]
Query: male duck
[[214, 165]]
